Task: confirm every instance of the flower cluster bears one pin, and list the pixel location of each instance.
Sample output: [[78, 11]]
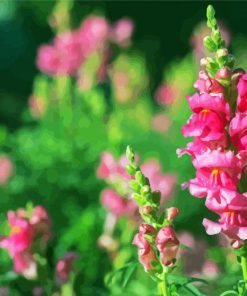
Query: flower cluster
[[156, 240], [27, 227], [218, 151], [70, 50]]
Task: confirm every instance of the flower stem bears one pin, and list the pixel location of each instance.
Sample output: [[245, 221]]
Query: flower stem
[[163, 286], [244, 269]]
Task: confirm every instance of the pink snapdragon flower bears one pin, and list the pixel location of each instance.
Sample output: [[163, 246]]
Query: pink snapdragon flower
[[211, 113], [166, 94], [231, 206], [242, 93], [116, 204], [168, 245], [65, 266], [122, 31], [145, 251], [238, 131], [6, 169], [165, 183], [206, 84], [215, 169], [24, 231]]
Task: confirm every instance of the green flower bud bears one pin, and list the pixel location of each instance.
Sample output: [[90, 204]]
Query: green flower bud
[[210, 12], [140, 178], [134, 186], [209, 44], [130, 153], [131, 168]]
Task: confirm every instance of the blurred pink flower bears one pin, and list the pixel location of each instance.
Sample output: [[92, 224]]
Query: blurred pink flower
[[93, 33], [6, 169], [166, 94], [158, 180], [116, 204], [122, 31], [168, 245], [161, 123], [65, 266], [24, 231], [210, 269]]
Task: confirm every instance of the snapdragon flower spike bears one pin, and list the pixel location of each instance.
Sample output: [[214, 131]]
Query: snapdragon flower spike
[[216, 129], [156, 240]]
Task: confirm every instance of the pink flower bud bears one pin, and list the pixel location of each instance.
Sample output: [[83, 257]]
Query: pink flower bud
[[147, 210], [223, 73], [122, 31], [168, 245], [172, 213]]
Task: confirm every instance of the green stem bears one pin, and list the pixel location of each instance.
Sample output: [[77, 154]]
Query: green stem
[[244, 269], [163, 286]]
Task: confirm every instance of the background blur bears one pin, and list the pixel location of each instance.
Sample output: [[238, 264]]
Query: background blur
[[60, 132]]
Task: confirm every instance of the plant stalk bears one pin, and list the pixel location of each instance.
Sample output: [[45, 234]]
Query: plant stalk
[[244, 269], [163, 286]]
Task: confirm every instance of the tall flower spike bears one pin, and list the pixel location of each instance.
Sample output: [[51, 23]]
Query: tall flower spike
[[218, 124], [156, 240]]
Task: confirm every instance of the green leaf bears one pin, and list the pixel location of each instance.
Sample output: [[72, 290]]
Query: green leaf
[[229, 292], [193, 290], [185, 280], [122, 275]]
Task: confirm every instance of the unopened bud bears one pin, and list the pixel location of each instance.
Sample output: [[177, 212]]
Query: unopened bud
[[147, 210], [172, 213], [223, 73], [223, 52], [203, 62]]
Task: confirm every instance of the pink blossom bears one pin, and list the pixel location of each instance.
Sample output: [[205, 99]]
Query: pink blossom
[[6, 169], [166, 94], [231, 206], [211, 113], [25, 264], [107, 166], [242, 93], [117, 204], [215, 168], [210, 269], [122, 31], [199, 147], [158, 180], [20, 237], [93, 33], [41, 223], [64, 56], [161, 123], [206, 84], [64, 266], [145, 250], [168, 245], [238, 130]]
